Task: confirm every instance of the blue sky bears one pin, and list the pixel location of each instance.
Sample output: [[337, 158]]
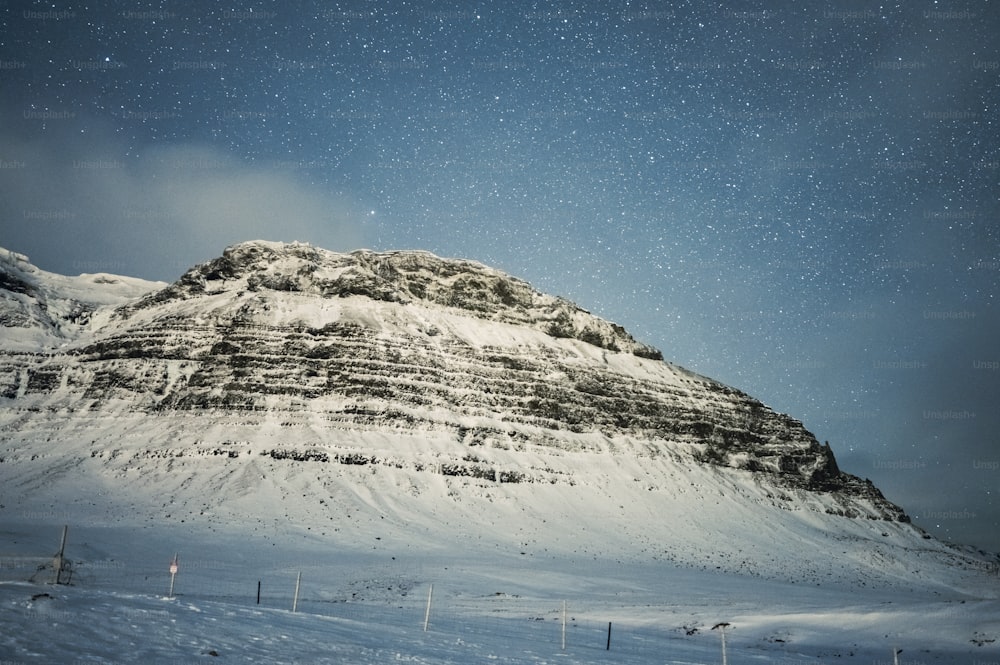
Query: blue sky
[[800, 201]]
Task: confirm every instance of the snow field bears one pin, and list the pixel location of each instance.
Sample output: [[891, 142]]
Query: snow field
[[361, 607], [74, 626]]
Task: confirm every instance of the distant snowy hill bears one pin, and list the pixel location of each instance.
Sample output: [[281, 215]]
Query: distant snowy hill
[[400, 400], [40, 310]]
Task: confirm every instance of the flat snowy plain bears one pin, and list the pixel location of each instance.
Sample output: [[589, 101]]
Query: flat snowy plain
[[367, 604]]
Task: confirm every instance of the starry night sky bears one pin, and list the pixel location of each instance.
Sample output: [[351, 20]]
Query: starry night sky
[[800, 200]]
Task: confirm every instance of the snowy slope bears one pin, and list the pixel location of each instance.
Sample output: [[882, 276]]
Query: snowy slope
[[402, 402]]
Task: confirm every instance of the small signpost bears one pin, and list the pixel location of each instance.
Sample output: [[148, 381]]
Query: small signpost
[[173, 573]]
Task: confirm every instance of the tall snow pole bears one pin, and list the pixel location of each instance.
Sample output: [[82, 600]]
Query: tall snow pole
[[895, 655], [722, 631], [295, 601]]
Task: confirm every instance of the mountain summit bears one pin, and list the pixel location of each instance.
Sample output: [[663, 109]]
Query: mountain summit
[[418, 398], [410, 277]]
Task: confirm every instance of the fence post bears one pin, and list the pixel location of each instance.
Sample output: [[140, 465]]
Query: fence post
[[427, 614], [564, 626], [58, 561], [722, 630]]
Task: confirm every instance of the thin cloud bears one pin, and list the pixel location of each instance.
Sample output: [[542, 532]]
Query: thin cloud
[[155, 214]]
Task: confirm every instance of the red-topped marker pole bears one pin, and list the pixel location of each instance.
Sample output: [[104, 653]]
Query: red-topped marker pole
[[173, 572]]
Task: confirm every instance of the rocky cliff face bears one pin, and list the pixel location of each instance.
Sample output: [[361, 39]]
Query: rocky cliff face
[[486, 377]]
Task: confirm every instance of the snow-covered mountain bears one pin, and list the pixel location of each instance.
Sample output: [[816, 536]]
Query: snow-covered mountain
[[400, 400]]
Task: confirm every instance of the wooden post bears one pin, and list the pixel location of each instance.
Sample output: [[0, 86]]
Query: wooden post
[[295, 601], [427, 613], [609, 637], [258, 592], [59, 559]]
